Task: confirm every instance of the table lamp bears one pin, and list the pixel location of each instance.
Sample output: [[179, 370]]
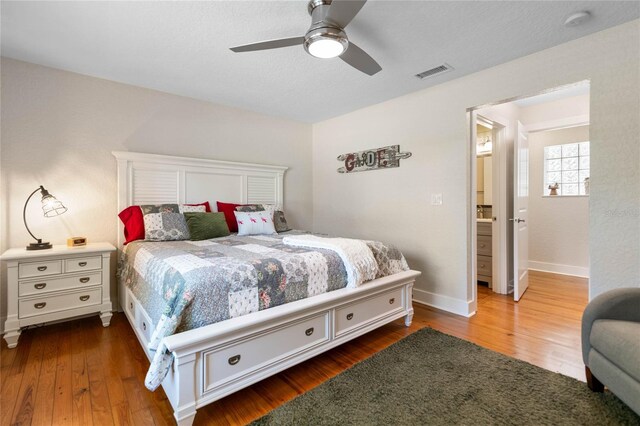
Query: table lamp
[[51, 207]]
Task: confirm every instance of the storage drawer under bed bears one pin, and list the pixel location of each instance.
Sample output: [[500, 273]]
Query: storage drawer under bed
[[352, 316], [242, 358], [138, 317]]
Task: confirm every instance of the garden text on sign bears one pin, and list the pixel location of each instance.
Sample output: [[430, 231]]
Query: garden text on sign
[[372, 159]]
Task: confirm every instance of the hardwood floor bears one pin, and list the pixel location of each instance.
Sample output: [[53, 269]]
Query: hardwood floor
[[81, 373]]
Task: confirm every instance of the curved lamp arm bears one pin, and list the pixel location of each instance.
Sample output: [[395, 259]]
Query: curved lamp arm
[[24, 213]]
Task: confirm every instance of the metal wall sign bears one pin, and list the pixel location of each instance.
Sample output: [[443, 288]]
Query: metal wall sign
[[372, 159]]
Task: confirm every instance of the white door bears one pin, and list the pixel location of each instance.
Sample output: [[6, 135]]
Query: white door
[[521, 214]]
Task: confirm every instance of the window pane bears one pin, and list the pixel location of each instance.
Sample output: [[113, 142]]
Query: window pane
[[553, 177], [554, 165], [570, 177], [567, 165], [569, 189], [570, 150], [570, 163], [584, 163], [552, 151], [584, 148]]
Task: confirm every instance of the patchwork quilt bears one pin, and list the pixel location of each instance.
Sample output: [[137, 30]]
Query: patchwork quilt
[[184, 285]]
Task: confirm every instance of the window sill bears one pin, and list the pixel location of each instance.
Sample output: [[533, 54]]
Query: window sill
[[565, 196]]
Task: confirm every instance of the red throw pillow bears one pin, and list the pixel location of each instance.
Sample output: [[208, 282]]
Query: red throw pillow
[[205, 204], [133, 222], [228, 209]]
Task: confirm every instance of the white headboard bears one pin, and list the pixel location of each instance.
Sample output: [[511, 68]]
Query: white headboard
[[158, 179]]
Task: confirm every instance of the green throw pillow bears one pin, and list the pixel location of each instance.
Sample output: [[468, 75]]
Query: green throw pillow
[[203, 226]]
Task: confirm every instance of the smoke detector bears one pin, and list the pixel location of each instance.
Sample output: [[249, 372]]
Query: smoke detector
[[577, 19]]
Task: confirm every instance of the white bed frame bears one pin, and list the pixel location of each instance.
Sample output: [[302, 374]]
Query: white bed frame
[[216, 360]]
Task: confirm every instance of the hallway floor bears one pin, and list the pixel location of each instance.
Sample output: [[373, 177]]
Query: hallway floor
[[543, 328]]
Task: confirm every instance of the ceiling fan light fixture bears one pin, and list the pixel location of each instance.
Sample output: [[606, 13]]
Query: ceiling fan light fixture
[[326, 43], [325, 48], [326, 37]]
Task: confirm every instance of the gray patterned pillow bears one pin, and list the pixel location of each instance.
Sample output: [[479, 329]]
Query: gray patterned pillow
[[250, 208], [280, 222], [164, 222]]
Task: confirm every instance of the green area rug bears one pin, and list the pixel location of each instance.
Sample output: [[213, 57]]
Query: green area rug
[[430, 378]]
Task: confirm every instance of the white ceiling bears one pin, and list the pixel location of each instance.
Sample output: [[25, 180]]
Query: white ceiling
[[182, 47]]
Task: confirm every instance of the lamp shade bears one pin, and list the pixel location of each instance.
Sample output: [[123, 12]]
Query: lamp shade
[[51, 206]]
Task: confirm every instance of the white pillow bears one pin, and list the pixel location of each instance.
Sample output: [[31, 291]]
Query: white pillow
[[255, 223]]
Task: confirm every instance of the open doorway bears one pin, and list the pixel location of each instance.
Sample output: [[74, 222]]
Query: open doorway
[[530, 187]]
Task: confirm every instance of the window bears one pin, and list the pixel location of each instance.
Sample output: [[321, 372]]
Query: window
[[567, 166]]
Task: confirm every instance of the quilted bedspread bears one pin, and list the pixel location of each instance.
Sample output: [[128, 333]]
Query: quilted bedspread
[[189, 284]]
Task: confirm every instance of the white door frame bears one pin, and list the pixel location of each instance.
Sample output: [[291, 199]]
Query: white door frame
[[501, 285], [499, 207]]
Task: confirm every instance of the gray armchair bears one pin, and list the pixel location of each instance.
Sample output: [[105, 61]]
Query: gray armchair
[[611, 344]]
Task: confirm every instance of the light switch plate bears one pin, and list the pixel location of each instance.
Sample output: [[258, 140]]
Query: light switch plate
[[436, 199]]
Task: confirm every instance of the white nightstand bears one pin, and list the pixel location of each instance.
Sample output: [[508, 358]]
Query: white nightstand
[[54, 284]]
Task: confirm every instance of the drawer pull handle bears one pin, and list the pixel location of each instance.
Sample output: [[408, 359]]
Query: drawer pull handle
[[84, 298], [82, 263], [144, 326], [84, 279], [42, 268], [309, 331], [40, 286], [482, 246], [40, 305], [234, 360], [393, 299], [349, 316]]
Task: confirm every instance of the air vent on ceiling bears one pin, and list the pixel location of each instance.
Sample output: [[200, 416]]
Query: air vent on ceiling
[[433, 71]]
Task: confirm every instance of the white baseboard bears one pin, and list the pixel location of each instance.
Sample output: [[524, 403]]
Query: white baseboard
[[555, 268], [445, 303]]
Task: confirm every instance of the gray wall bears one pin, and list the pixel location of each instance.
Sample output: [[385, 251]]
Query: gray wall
[[558, 226], [394, 205], [58, 129]]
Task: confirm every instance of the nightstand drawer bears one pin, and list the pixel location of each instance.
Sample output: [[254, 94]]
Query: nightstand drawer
[[63, 302], [31, 288], [38, 269], [83, 264]]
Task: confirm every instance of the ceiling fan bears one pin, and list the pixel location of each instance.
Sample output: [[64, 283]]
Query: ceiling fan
[[326, 37]]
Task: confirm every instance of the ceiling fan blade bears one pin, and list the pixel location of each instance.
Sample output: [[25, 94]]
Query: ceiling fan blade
[[270, 44], [360, 60], [341, 12]]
